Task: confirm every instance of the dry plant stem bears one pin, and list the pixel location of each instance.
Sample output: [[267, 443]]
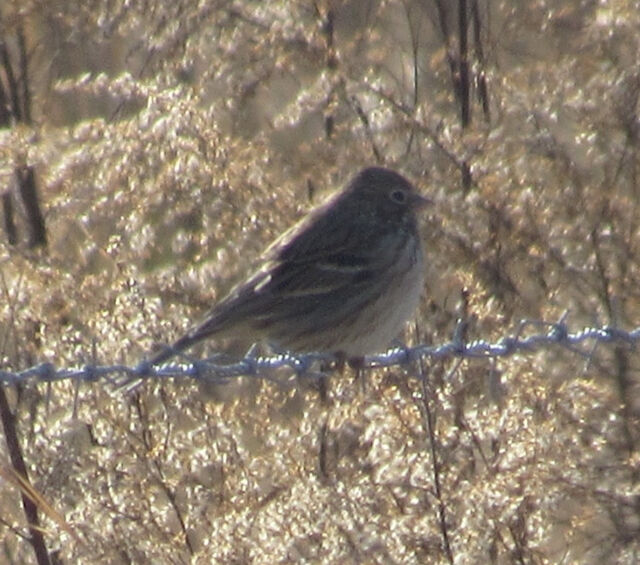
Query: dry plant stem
[[364, 119], [156, 469], [359, 375], [459, 69], [17, 460], [623, 380], [9, 219], [13, 96], [322, 451], [28, 191], [415, 46], [25, 93], [463, 86], [432, 134], [483, 90], [17, 109], [427, 419]]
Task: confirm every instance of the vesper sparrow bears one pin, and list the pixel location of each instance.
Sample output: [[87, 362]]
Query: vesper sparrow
[[344, 280]]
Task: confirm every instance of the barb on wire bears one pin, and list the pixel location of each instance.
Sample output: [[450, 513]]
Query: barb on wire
[[311, 365]]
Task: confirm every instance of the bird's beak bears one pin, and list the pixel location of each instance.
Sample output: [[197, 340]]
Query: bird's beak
[[418, 201]]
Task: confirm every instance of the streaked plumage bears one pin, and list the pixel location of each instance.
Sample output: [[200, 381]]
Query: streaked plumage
[[345, 279]]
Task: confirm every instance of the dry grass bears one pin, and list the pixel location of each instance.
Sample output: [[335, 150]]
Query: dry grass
[[213, 128]]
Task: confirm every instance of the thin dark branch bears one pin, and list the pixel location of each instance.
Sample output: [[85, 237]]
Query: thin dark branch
[[29, 195], [5, 109], [463, 30], [623, 380], [5, 62], [25, 94], [429, 132], [17, 461], [481, 79], [442, 11], [364, 119], [9, 219], [415, 45], [459, 69], [428, 422]]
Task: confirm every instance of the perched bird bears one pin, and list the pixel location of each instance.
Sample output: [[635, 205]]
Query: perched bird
[[344, 280]]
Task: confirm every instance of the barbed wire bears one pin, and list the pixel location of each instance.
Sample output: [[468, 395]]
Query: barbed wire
[[311, 365]]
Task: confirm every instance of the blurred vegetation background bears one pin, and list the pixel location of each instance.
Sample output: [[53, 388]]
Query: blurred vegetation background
[[149, 151]]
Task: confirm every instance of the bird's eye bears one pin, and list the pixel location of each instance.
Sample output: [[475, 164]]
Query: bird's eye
[[399, 196]]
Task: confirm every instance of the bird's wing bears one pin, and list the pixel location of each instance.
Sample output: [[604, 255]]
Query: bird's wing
[[327, 229]]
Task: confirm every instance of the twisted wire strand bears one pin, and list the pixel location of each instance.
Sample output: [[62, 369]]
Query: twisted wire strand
[[308, 365]]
